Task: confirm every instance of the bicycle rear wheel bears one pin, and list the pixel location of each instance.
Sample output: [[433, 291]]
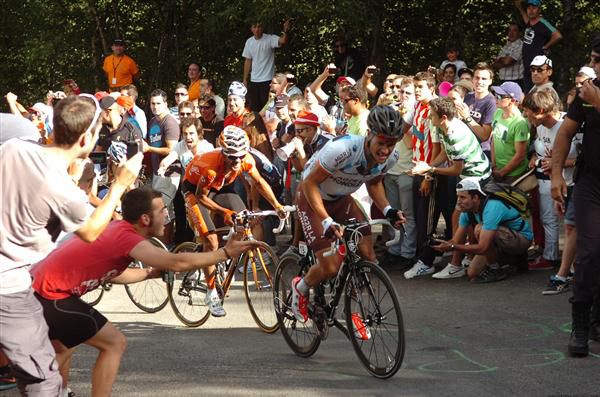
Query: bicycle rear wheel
[[186, 292], [149, 295], [93, 297], [374, 320], [260, 265], [302, 338]]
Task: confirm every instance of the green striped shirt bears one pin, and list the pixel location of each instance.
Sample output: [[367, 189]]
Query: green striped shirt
[[461, 144]]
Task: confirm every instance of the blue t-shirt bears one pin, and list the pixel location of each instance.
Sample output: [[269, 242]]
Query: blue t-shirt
[[496, 214]]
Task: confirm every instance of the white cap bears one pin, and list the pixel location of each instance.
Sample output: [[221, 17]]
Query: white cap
[[541, 60], [589, 72], [470, 183]]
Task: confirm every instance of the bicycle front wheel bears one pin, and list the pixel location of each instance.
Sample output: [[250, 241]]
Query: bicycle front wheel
[[260, 265], [187, 292], [302, 338], [93, 297], [374, 320], [149, 295]]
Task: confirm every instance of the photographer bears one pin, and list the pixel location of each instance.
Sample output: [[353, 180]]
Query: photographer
[[494, 229]]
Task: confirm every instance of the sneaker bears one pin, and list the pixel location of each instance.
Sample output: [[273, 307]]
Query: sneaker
[[556, 286], [361, 331], [541, 264], [299, 302], [291, 250], [213, 302], [419, 269], [7, 382], [534, 253], [450, 271], [489, 275], [466, 262]]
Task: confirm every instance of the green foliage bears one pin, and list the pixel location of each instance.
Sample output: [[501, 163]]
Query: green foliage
[[46, 42]]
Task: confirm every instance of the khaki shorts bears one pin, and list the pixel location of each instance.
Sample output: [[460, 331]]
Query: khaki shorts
[[510, 242]]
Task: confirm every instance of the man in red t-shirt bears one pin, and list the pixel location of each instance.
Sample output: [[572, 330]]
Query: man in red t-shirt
[[77, 267], [236, 104]]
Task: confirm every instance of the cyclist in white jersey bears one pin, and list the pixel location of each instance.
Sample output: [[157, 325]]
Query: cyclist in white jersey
[[330, 177]]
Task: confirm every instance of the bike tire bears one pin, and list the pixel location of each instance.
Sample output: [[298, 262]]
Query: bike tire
[[93, 297], [186, 295], [302, 338], [259, 273], [369, 293], [149, 295]]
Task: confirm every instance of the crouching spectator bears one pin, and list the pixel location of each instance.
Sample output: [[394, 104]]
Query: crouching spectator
[[495, 231]]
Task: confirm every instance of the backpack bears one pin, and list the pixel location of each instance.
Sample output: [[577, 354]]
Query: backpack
[[511, 197]]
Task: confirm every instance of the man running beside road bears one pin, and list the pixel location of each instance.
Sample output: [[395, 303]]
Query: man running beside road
[[43, 199], [330, 177], [205, 188], [77, 267]]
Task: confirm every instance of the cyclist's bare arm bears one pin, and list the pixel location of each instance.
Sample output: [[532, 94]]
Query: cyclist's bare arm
[[156, 257], [126, 174], [135, 275], [202, 197], [310, 188], [264, 188], [377, 192]]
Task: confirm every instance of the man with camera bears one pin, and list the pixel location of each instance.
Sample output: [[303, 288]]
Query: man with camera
[[494, 228]]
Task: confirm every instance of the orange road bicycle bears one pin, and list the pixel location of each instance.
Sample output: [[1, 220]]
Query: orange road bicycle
[[187, 290]]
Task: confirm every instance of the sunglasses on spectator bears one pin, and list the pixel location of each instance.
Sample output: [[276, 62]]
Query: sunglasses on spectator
[[185, 114], [233, 158], [501, 97], [535, 69]]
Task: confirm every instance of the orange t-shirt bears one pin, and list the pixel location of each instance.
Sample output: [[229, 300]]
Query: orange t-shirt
[[208, 169], [194, 90], [120, 70]]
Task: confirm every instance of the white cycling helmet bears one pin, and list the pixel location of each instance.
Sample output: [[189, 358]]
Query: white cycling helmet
[[234, 141]]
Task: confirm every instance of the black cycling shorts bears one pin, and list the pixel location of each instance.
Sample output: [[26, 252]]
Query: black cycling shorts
[[71, 320]]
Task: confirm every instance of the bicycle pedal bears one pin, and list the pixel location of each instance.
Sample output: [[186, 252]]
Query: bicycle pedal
[[320, 319]]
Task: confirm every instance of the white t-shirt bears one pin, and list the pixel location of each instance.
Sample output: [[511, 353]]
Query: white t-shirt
[[219, 106], [544, 142], [344, 159], [185, 155], [38, 199], [262, 54]]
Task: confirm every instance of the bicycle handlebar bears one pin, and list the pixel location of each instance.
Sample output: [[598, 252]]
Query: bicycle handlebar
[[249, 214], [335, 244]]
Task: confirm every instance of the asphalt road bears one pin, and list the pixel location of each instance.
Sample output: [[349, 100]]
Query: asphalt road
[[463, 339]]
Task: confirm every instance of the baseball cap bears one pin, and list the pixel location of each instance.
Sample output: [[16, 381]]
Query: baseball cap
[[589, 72], [509, 88], [469, 184], [307, 118], [346, 79], [107, 102], [41, 108], [464, 70], [126, 102], [100, 94], [536, 3], [238, 89], [468, 85], [541, 60], [444, 87], [281, 101]]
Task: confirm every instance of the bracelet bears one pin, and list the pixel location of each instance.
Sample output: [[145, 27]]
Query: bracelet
[[226, 253], [452, 247], [386, 209]]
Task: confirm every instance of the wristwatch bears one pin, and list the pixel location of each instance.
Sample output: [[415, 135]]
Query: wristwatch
[[469, 120]]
